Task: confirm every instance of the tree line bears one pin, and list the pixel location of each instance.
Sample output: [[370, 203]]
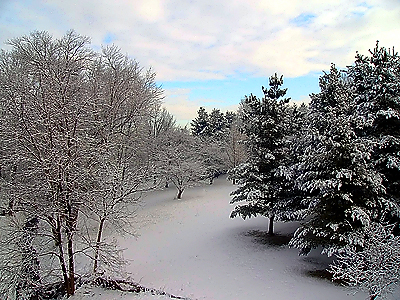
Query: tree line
[[82, 136]]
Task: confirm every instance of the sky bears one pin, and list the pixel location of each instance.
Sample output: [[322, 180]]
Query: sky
[[212, 53]]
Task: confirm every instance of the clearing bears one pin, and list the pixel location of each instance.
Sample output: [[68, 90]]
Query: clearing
[[191, 248]]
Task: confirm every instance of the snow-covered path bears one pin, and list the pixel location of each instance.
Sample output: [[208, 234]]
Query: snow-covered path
[[192, 248]]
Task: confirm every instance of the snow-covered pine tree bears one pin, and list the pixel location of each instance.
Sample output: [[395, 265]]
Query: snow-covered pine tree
[[230, 117], [212, 124], [218, 123], [293, 208], [376, 82], [264, 122], [212, 130], [344, 191], [201, 124], [376, 268]]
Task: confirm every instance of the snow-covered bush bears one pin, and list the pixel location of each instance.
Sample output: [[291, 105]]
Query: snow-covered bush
[[376, 268]]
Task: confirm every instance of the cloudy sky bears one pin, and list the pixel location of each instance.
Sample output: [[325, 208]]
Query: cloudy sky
[[213, 52]]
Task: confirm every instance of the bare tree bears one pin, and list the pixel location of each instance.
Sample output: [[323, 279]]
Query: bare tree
[[126, 100], [46, 108], [235, 149], [74, 146], [182, 160], [161, 123]]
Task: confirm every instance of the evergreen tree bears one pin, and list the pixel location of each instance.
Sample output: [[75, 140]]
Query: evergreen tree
[[212, 125], [376, 83], [264, 122], [217, 123], [201, 124], [212, 129], [344, 191], [230, 117], [293, 208]]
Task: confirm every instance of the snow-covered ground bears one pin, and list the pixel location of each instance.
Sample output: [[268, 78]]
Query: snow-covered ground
[[191, 248]]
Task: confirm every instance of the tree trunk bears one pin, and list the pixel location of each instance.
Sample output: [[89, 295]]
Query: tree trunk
[[180, 192], [71, 269], [97, 247], [56, 229], [70, 229], [271, 225]]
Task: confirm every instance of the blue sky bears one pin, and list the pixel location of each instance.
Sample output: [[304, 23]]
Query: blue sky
[[214, 52]]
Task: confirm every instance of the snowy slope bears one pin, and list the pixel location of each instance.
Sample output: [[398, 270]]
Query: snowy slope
[[192, 248]]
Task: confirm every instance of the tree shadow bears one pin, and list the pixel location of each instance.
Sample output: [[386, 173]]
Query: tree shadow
[[277, 240], [323, 274], [318, 269]]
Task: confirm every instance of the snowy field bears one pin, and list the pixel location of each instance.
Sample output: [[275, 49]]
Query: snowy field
[[191, 248]]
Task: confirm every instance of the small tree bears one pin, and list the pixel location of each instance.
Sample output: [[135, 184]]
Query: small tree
[[375, 268], [182, 160], [264, 122]]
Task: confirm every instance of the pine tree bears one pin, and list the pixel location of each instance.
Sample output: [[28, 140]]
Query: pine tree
[[293, 208], [264, 124], [201, 124], [376, 82], [344, 191], [230, 117], [217, 123]]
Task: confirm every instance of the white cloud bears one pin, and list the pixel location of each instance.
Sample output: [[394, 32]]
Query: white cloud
[[178, 104], [151, 10], [210, 39], [302, 99]]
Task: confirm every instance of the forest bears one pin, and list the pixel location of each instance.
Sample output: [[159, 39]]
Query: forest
[[84, 136]]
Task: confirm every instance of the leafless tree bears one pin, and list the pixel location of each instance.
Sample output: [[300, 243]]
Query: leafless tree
[[182, 160], [126, 100], [74, 140], [46, 105]]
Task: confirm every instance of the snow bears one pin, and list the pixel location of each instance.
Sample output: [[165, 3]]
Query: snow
[[191, 248], [93, 293]]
